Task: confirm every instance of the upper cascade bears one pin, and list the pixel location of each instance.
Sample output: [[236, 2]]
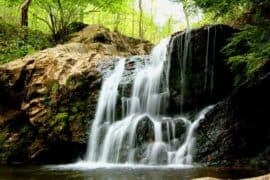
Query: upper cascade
[[143, 134]]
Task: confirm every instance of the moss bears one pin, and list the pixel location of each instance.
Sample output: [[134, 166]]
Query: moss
[[61, 116], [47, 100], [72, 82], [80, 118], [80, 105], [72, 118], [262, 160], [74, 109], [69, 81], [3, 137], [55, 87], [42, 130], [25, 129], [60, 127], [77, 117], [254, 162], [63, 109]]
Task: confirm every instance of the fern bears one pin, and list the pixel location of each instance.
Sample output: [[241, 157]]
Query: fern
[[249, 49]]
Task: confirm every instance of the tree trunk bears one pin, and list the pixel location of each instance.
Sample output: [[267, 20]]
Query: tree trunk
[[81, 15], [24, 12], [187, 18], [133, 22], [140, 20], [117, 22]]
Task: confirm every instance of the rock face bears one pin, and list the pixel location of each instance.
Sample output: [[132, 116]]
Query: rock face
[[237, 130], [199, 73], [47, 99]]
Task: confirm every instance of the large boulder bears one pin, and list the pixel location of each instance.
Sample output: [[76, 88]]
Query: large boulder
[[237, 131], [47, 99], [206, 77]]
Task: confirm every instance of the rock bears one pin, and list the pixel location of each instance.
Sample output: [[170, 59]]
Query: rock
[[145, 132], [206, 178], [265, 177], [237, 130], [200, 90], [48, 99]]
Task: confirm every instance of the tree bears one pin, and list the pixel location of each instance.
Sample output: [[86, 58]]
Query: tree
[[140, 20], [24, 9], [24, 12], [189, 9], [58, 14]]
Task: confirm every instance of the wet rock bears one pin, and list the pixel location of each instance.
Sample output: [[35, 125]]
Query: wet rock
[[145, 132], [237, 130], [206, 78], [174, 131]]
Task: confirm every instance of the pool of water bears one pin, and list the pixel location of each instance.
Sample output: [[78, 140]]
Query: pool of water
[[93, 172]]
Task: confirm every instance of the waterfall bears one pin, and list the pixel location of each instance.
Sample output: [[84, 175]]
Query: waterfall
[[213, 61], [209, 86], [105, 112], [206, 59], [143, 134], [183, 66]]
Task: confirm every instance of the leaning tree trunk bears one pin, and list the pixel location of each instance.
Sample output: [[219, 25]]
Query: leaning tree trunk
[[24, 12], [187, 18]]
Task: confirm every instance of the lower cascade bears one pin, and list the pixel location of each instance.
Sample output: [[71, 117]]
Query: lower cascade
[[143, 133]]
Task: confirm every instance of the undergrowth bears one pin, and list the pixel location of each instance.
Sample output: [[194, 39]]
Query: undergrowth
[[16, 42]]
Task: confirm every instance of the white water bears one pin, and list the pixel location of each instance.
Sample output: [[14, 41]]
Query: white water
[[209, 63], [105, 113], [183, 65], [213, 61], [206, 59], [143, 136]]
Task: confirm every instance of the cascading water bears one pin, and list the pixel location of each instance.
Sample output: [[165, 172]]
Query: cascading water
[[213, 62], [206, 59], [209, 63], [183, 65], [105, 113], [144, 135]]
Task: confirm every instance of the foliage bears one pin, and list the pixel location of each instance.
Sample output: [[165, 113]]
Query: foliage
[[221, 7], [3, 137], [261, 161], [61, 117], [17, 42], [59, 14], [249, 49], [189, 9]]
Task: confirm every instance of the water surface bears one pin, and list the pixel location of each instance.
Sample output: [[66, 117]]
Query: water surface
[[120, 173]]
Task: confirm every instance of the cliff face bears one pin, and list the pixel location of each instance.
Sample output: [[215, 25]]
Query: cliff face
[[237, 131], [47, 99], [199, 73]]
